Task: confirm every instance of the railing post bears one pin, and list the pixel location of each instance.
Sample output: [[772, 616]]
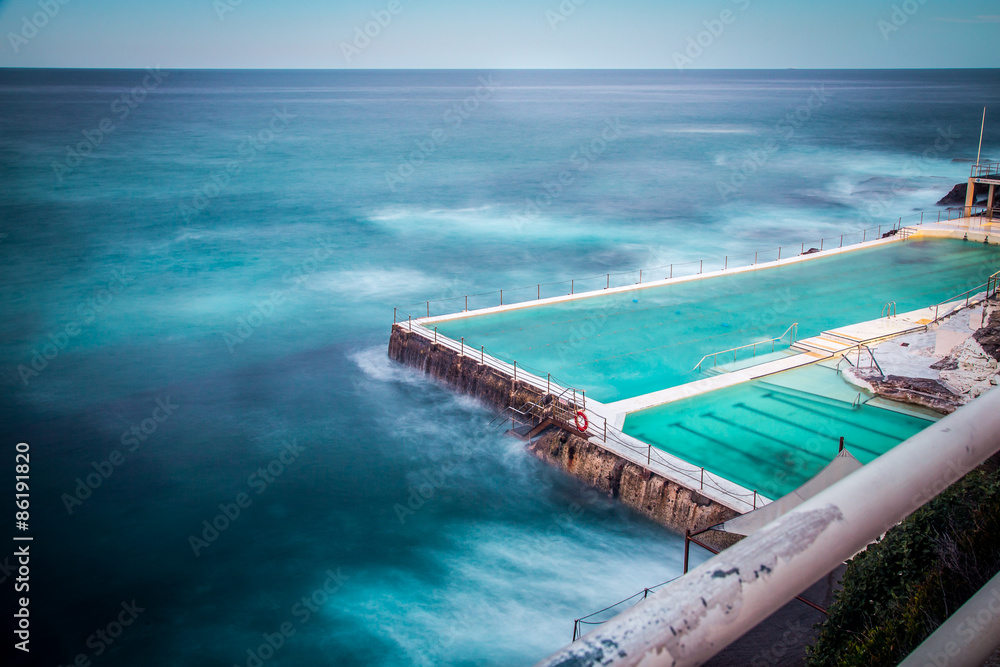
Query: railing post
[[572, 286], [466, 303], [755, 258], [539, 291], [841, 240], [548, 385], [755, 498], [501, 297], [671, 270], [393, 315], [701, 267], [462, 353], [702, 479], [515, 370], [640, 276], [609, 282], [649, 454], [864, 236], [687, 548], [725, 267], [409, 320], [779, 253], [605, 429], [435, 335], [482, 352], [803, 248]]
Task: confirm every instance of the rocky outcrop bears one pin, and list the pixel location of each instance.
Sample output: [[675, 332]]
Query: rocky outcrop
[[957, 196], [916, 391], [988, 336], [666, 502]]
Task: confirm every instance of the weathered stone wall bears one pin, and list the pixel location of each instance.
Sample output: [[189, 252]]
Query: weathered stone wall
[[662, 500]]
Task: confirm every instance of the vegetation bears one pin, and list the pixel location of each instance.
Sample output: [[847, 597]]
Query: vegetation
[[900, 589]]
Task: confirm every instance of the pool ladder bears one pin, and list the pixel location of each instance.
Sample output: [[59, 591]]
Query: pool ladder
[[889, 309]]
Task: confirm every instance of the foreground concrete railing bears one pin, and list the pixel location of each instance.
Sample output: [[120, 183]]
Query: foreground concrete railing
[[692, 619]]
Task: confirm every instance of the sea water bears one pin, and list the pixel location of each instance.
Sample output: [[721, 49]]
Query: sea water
[[197, 297]]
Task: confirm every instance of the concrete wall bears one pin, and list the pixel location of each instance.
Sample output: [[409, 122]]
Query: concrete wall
[[664, 501]]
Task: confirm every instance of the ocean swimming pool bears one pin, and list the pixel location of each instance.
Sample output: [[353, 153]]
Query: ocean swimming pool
[[627, 344], [773, 435]]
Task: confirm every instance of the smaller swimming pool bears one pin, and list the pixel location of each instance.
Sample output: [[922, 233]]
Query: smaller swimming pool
[[773, 435]]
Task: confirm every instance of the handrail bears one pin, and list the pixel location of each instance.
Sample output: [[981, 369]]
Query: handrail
[[985, 169], [968, 296], [772, 341], [889, 309]]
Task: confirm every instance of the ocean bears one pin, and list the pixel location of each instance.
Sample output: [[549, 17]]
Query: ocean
[[199, 271]]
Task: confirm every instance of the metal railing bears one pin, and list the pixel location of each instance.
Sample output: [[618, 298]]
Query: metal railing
[[990, 284], [889, 309], [715, 355], [579, 622], [985, 169]]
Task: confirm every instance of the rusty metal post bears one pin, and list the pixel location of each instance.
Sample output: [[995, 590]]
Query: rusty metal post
[[435, 335], [393, 315], [841, 444], [428, 309], [409, 321], [501, 297], [649, 454], [462, 353], [687, 548], [466, 303], [702, 479], [482, 351], [755, 498]]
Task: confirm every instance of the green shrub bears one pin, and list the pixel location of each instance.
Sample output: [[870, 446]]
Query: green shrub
[[900, 589]]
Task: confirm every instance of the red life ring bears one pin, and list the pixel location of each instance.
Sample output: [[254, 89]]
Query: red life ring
[[580, 416]]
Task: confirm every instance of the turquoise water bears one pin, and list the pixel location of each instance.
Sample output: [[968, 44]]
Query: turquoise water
[[628, 344], [494, 566], [773, 435]]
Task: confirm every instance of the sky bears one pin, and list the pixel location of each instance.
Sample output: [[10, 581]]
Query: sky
[[494, 34]]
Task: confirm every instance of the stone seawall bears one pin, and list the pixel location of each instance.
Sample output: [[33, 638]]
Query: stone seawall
[[664, 501]]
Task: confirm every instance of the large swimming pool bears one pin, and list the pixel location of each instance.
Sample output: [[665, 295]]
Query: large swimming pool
[[622, 345]]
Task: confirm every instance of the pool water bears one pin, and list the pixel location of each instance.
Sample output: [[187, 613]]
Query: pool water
[[774, 434], [622, 345]]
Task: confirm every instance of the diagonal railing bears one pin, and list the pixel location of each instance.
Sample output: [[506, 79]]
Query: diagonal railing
[[793, 330]]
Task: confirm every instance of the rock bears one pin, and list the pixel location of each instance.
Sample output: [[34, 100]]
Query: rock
[[974, 366], [988, 336], [917, 391], [957, 196], [949, 363], [811, 251]]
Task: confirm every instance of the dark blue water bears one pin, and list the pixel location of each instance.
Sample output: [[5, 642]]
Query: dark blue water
[[197, 297]]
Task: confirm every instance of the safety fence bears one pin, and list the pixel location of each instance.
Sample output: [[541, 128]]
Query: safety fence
[[528, 293], [578, 624]]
